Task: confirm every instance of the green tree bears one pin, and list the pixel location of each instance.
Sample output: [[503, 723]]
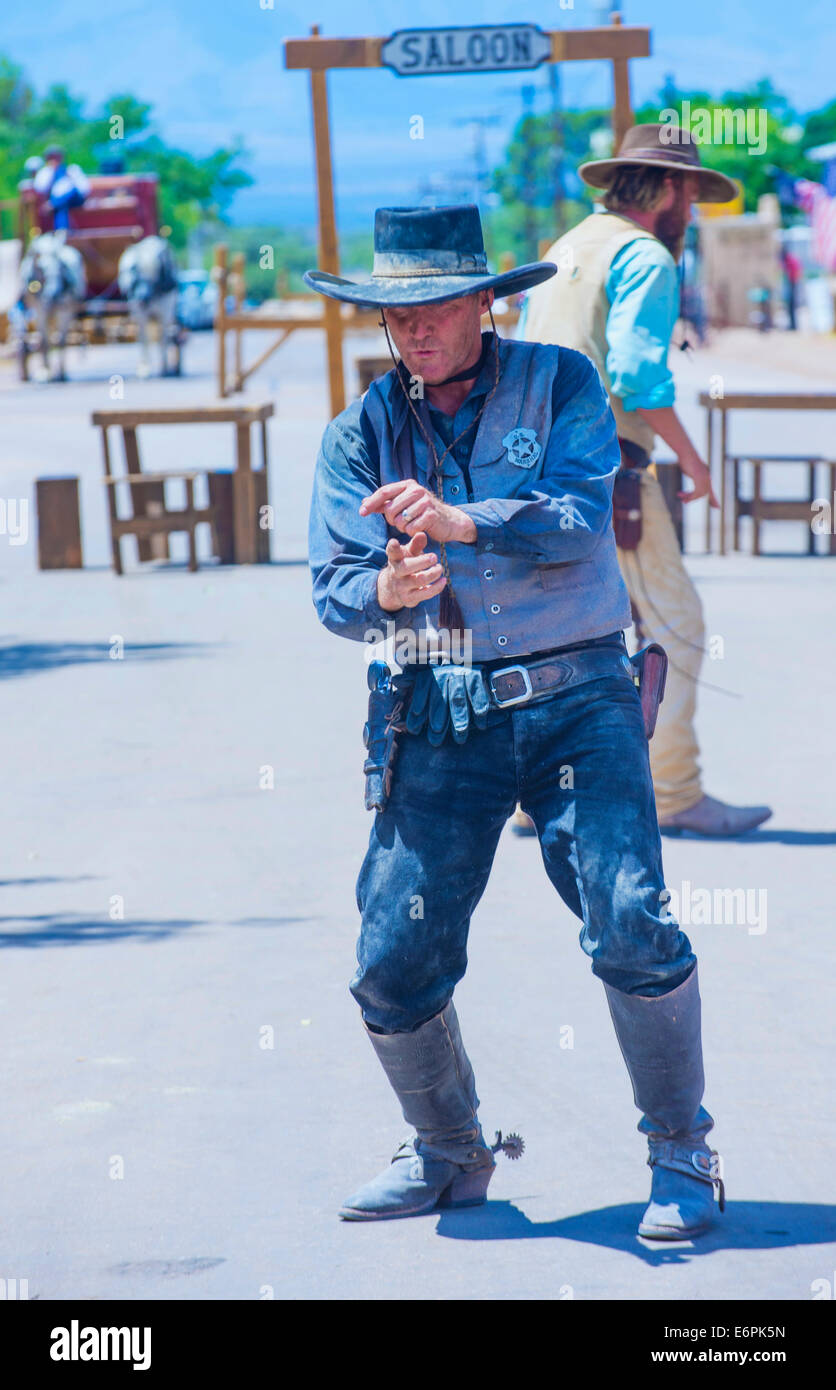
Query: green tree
[[293, 252], [771, 111], [820, 127], [275, 259], [525, 181], [192, 190]]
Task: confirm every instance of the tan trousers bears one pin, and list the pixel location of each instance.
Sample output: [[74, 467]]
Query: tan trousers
[[671, 614]]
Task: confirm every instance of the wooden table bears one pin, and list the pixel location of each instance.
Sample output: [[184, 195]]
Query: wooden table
[[249, 487], [779, 509]]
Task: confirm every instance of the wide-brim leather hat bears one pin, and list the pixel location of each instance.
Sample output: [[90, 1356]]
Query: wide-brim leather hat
[[661, 146], [425, 256]]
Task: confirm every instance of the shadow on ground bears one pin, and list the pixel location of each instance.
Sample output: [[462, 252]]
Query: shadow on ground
[[761, 837], [72, 929], [744, 1226], [168, 1269], [30, 658], [271, 921], [790, 837], [75, 929], [45, 878]]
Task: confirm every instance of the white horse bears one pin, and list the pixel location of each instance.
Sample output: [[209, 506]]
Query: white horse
[[53, 287], [148, 280]]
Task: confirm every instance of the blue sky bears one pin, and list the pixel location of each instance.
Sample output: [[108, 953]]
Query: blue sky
[[213, 69]]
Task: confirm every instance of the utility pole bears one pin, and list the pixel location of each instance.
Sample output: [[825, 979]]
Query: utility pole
[[529, 180], [557, 149], [481, 172]]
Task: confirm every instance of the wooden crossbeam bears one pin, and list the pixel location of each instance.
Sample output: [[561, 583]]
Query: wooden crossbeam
[[138, 479], [616, 43], [770, 400], [324, 52], [568, 45], [170, 521], [197, 415]]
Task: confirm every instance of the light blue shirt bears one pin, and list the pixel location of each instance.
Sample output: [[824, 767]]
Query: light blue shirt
[[643, 289]]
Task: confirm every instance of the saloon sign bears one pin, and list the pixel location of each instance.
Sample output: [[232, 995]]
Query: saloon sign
[[484, 48]]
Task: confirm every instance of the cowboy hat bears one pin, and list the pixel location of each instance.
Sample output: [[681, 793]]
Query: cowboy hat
[[425, 256], [661, 146]]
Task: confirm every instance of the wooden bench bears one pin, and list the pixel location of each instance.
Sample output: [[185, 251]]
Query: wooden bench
[[241, 541], [760, 508], [159, 522]]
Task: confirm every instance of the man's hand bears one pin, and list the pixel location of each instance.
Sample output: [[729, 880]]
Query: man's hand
[[664, 421], [699, 473], [411, 576], [413, 509]]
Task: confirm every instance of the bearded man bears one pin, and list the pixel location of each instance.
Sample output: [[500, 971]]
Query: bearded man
[[618, 301]]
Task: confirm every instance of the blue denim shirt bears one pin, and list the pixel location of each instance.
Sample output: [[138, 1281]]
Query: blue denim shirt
[[536, 480], [643, 290]]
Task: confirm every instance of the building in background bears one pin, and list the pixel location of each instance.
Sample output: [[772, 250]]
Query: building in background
[[741, 264]]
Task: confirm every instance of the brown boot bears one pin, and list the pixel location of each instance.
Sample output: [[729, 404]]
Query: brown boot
[[522, 824], [712, 817]]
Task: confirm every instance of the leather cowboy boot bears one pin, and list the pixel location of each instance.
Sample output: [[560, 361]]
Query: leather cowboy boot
[[522, 824], [448, 1163], [660, 1040], [712, 817]]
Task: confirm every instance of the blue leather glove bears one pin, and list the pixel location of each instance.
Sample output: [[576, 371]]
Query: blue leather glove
[[448, 697]]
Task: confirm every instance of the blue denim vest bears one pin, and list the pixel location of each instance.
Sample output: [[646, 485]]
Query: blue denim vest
[[520, 603]]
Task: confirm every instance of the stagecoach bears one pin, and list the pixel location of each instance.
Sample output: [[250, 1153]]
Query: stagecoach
[[119, 211]]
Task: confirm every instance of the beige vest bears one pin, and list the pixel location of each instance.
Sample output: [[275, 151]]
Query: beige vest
[[571, 309]]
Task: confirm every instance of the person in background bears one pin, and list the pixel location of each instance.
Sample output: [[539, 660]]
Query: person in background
[[617, 300], [67, 186], [691, 297], [30, 169], [793, 275]]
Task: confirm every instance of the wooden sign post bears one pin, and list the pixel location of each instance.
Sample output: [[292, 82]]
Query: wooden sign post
[[329, 254], [438, 52]]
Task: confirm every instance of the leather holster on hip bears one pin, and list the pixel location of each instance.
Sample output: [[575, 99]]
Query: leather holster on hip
[[626, 498]]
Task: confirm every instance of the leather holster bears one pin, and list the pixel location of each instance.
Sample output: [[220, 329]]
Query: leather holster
[[626, 497]]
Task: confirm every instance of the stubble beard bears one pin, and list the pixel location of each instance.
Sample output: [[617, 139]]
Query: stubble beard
[[449, 361]]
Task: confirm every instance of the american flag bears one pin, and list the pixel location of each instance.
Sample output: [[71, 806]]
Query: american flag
[[821, 210]]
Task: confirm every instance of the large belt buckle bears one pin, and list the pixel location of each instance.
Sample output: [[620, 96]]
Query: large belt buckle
[[527, 690]]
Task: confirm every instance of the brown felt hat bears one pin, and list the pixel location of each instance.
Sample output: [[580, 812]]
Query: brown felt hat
[[661, 147]]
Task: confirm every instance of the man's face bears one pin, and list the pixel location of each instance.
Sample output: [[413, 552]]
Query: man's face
[[675, 214], [438, 340]]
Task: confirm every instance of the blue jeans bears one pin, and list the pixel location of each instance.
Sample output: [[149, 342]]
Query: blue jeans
[[577, 762]]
